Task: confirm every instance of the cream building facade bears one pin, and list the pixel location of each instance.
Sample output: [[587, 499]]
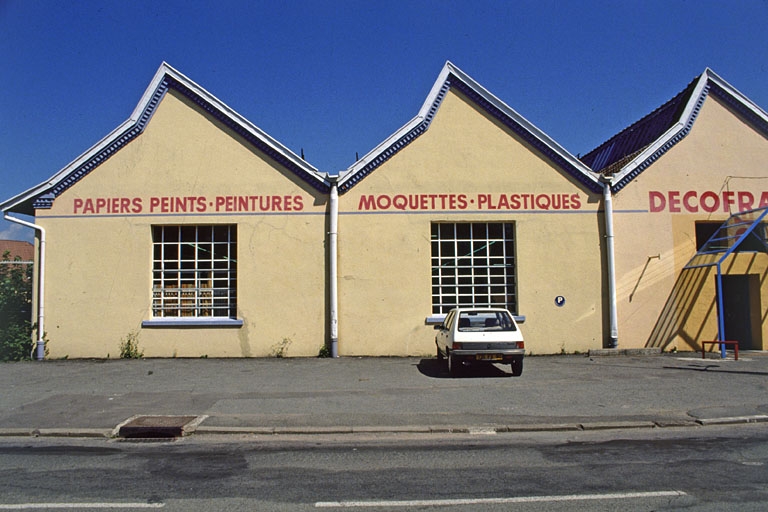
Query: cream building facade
[[194, 230]]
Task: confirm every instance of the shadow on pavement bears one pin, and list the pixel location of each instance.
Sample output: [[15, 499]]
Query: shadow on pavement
[[439, 370], [713, 368]]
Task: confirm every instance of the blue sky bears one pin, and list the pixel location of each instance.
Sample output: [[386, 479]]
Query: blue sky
[[336, 77]]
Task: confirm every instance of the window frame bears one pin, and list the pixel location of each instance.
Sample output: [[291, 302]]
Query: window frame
[[193, 275], [472, 264]]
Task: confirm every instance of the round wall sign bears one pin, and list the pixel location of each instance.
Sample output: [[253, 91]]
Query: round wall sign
[[559, 301]]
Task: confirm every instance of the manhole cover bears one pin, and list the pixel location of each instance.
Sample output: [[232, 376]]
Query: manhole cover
[[154, 427]]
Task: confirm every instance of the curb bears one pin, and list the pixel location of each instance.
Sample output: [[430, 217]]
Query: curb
[[484, 429], [608, 352], [106, 433], [612, 425], [733, 420]]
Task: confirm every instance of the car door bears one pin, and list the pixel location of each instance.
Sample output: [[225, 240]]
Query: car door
[[443, 335]]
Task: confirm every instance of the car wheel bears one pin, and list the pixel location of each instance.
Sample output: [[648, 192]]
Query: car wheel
[[439, 354], [454, 365], [517, 366]]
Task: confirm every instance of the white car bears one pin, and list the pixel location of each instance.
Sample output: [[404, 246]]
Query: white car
[[475, 335]]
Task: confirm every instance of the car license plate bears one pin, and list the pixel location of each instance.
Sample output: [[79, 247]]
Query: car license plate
[[488, 357]]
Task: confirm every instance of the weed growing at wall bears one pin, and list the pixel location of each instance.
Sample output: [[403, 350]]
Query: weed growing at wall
[[129, 346], [280, 349]]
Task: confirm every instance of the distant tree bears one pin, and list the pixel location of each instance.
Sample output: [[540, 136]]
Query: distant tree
[[15, 309]]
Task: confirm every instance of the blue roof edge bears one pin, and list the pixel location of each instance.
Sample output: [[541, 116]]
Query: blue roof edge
[[450, 77], [707, 83], [43, 195]]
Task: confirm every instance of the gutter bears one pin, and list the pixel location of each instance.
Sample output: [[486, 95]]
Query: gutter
[[607, 181], [333, 257], [40, 346]]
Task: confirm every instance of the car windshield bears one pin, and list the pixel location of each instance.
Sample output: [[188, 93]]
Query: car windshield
[[486, 321]]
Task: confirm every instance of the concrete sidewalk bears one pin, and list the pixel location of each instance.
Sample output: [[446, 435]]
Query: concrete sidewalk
[[347, 395]]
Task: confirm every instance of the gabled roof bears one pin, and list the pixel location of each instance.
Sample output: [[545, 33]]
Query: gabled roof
[[632, 150], [453, 77], [43, 195]]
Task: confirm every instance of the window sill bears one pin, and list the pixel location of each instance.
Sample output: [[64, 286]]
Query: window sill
[[193, 322]]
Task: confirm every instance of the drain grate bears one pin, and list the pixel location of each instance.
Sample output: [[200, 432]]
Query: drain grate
[[157, 427]]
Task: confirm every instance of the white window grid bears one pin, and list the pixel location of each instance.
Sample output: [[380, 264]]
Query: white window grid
[[473, 264], [194, 271]]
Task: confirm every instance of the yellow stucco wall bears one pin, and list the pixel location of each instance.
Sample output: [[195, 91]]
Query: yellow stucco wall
[[99, 254], [384, 254], [718, 169], [467, 167]]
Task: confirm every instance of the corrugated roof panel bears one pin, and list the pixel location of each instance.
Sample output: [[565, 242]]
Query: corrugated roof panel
[[641, 133]]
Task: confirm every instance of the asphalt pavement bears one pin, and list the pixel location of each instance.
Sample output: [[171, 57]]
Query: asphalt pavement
[[85, 398]]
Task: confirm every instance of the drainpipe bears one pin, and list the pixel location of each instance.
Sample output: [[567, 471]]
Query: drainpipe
[[40, 348], [333, 257], [614, 341]]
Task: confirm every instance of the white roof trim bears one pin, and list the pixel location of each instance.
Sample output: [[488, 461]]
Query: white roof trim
[[131, 123], [533, 129], [741, 98], [687, 118], [434, 97], [64, 172], [233, 115], [667, 136]]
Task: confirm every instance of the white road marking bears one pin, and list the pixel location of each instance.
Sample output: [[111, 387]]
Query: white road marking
[[497, 501], [58, 506]]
